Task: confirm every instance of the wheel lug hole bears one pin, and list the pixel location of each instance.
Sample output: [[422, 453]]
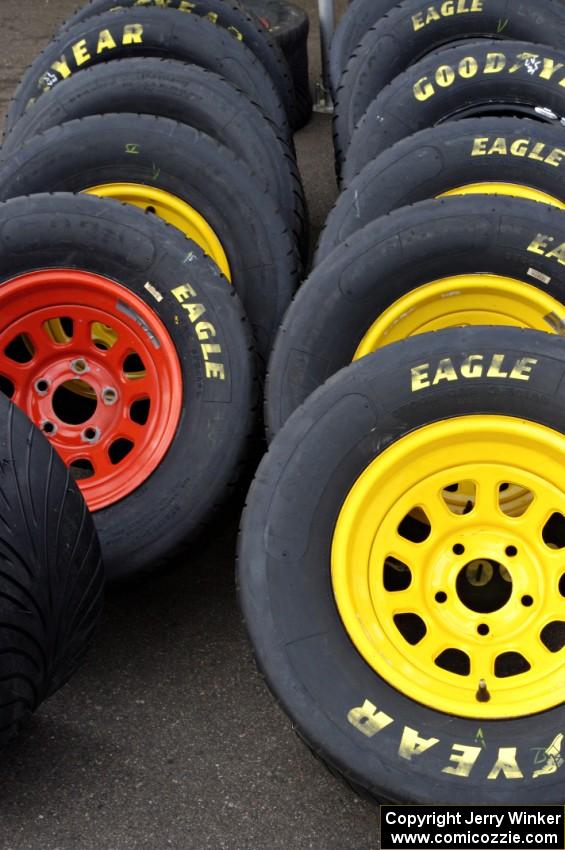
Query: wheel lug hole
[[441, 597], [109, 396], [483, 629], [527, 601], [79, 366], [511, 551], [42, 386], [48, 428], [458, 549], [90, 435]]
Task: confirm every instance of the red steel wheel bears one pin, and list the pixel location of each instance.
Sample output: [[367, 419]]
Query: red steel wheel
[[79, 354], [126, 345]]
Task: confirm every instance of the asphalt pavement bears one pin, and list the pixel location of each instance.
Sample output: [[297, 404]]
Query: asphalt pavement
[[168, 738]]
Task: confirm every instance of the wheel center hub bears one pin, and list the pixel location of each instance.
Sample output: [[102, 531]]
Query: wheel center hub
[[484, 585], [75, 401]]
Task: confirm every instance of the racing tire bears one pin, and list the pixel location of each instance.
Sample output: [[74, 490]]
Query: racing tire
[[415, 28], [479, 79], [369, 446], [172, 169], [508, 156], [231, 16], [125, 344], [149, 32], [289, 25], [158, 87], [51, 576], [359, 17], [441, 263]]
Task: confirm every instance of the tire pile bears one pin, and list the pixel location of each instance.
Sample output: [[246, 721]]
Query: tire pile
[[153, 227], [401, 564]]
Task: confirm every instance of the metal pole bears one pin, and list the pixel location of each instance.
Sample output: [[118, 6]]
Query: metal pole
[[326, 10]]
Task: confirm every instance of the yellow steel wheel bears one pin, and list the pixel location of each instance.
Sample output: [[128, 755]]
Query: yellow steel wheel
[[479, 299], [461, 611], [173, 210], [514, 190]]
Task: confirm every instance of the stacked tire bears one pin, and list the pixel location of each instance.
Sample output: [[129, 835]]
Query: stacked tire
[[401, 558], [153, 227], [135, 334]]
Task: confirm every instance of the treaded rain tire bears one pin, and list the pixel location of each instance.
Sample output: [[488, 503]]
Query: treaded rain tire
[[51, 577]]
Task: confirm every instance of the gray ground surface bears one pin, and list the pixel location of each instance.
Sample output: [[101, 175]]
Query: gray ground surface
[[168, 738]]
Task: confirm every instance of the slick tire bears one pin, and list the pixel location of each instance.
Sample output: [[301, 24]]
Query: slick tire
[[479, 155], [165, 359], [289, 25], [158, 87], [231, 16], [150, 153], [469, 260], [469, 81], [149, 32], [415, 28], [51, 577], [398, 739]]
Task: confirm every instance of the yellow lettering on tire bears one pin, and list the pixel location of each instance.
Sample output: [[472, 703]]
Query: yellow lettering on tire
[[495, 63], [80, 52], [133, 34], [412, 745], [519, 147], [506, 764], [472, 366], [445, 76], [444, 372], [368, 719], [423, 89], [463, 758], [105, 41], [495, 368], [61, 67], [468, 67]]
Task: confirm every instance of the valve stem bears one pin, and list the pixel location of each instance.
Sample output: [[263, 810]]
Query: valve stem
[[482, 694]]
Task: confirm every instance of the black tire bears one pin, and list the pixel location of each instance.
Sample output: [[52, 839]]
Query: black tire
[[149, 32], [289, 25], [400, 111], [227, 14], [285, 587], [445, 158], [158, 87], [393, 256], [51, 576], [146, 526], [394, 44], [359, 17], [177, 159]]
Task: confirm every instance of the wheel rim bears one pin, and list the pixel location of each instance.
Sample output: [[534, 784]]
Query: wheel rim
[[481, 591], [480, 299], [173, 210], [513, 190], [95, 368]]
